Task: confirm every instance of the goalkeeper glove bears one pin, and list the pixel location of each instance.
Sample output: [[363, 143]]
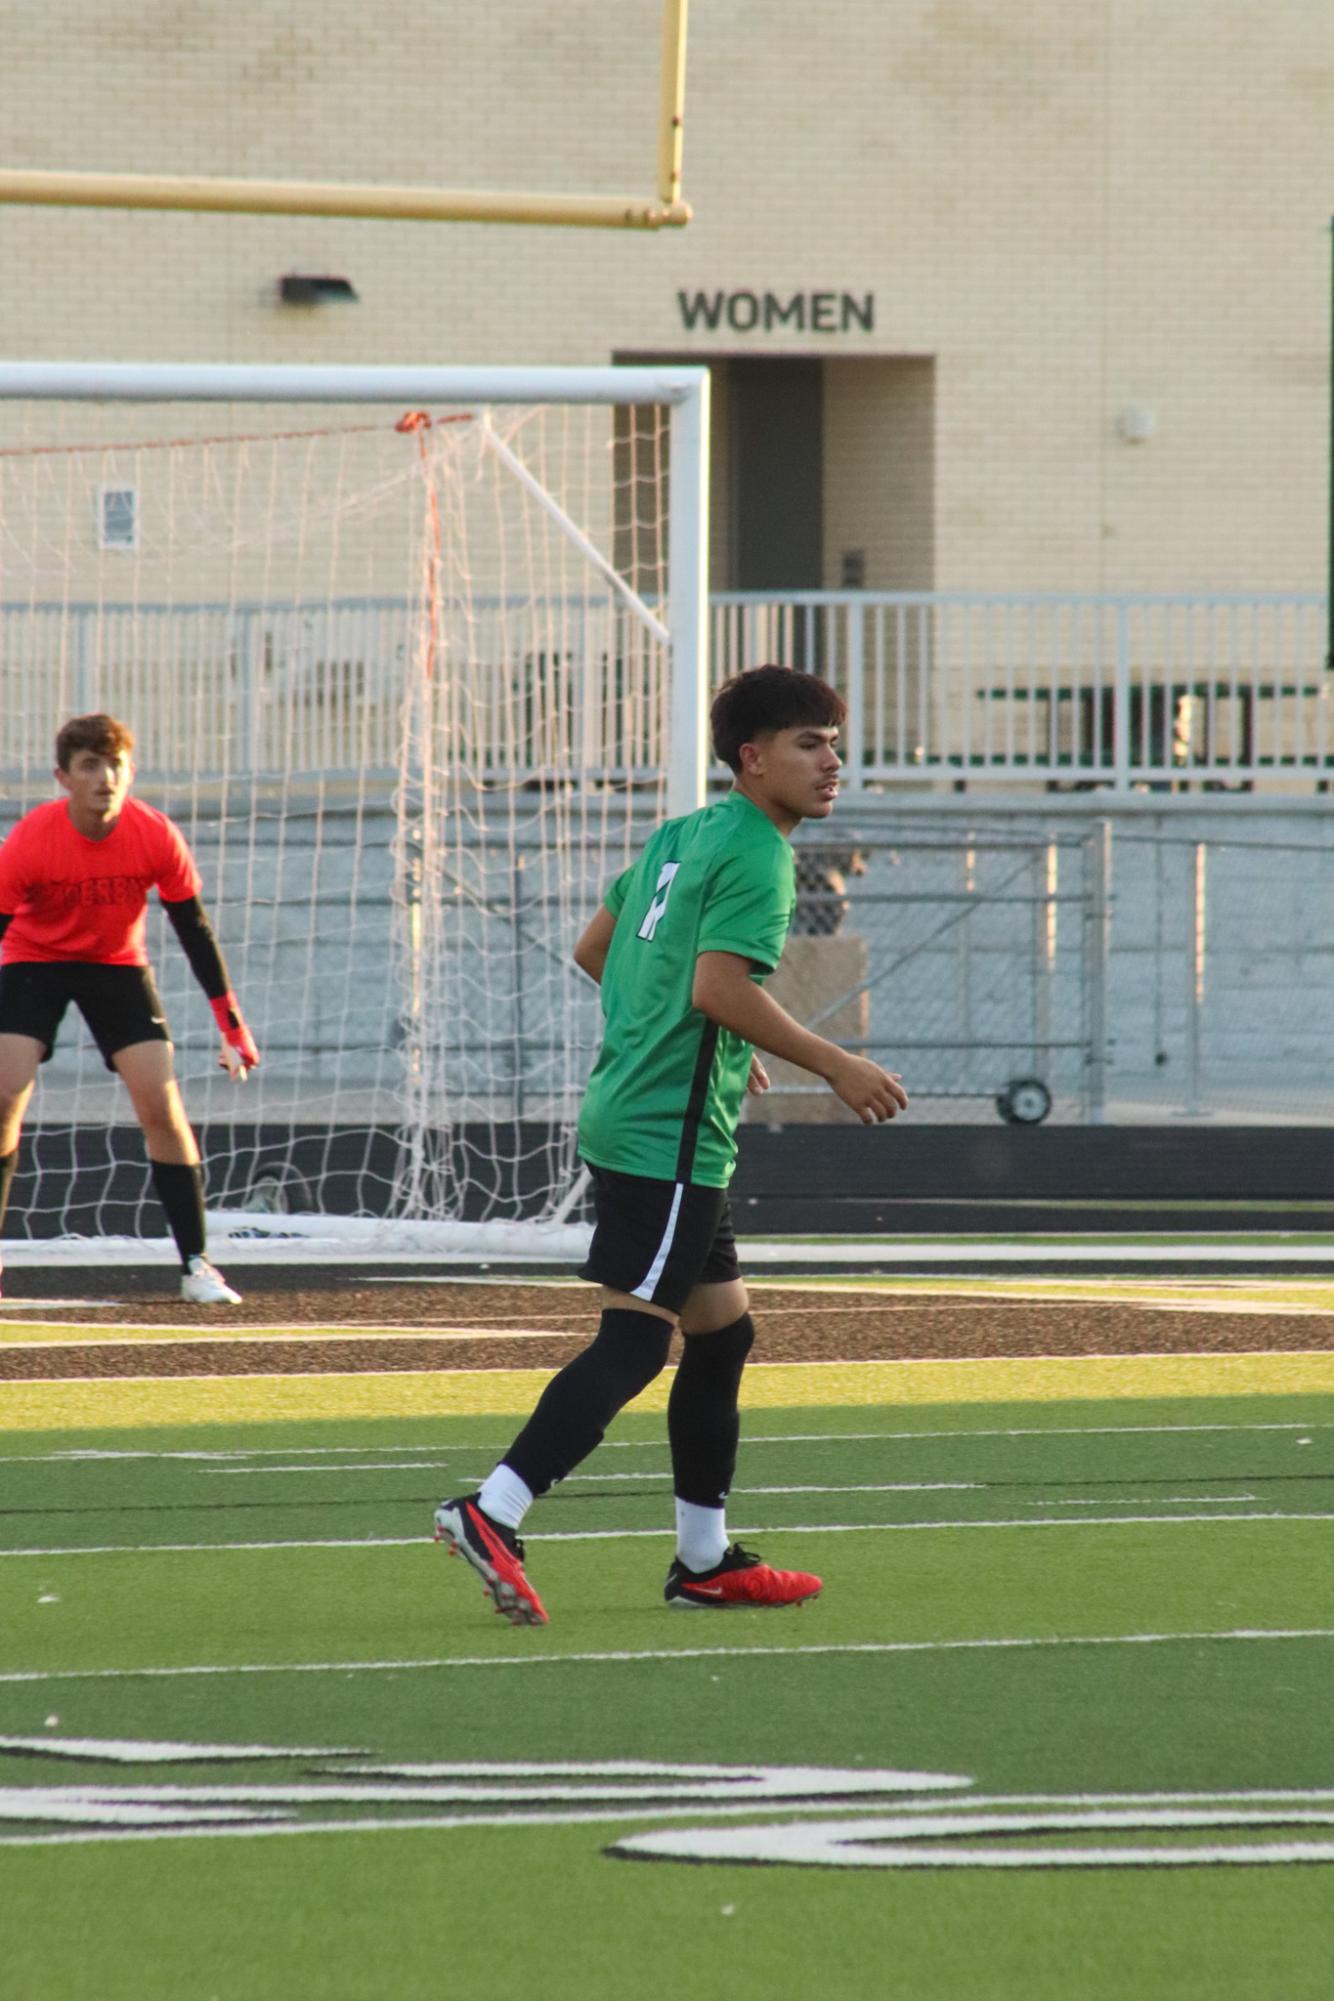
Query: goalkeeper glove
[[239, 1053]]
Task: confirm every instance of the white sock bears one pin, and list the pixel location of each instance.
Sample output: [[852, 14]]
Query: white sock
[[701, 1535], [505, 1497]]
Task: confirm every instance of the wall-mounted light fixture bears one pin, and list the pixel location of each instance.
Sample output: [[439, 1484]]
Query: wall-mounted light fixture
[[298, 290]]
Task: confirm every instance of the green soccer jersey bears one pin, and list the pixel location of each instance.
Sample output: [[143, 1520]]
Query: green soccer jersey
[[665, 1095]]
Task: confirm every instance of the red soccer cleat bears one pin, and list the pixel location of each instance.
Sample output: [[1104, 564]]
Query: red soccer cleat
[[495, 1553], [738, 1581]]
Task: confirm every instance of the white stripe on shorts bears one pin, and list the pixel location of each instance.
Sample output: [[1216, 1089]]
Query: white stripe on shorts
[[648, 1286]]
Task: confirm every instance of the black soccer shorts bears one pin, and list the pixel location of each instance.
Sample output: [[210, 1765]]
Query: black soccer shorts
[[658, 1240], [120, 1004]]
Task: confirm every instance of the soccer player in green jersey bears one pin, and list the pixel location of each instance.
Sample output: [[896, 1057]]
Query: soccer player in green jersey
[[680, 947]]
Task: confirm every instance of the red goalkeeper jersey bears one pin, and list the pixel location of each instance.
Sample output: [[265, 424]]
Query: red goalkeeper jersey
[[74, 898]]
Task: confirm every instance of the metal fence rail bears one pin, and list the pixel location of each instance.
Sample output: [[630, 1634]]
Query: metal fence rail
[[564, 685], [1062, 690], [1144, 968]]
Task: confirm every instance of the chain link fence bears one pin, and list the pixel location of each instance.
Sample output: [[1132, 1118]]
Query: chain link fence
[[1064, 967], [1128, 969], [1221, 978], [973, 964]]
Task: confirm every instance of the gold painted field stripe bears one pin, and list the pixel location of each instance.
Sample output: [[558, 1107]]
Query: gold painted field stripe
[[1161, 1288], [979, 1297], [123, 1334], [112, 1402]]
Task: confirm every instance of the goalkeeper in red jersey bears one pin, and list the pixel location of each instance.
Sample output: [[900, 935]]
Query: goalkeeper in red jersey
[[74, 881]]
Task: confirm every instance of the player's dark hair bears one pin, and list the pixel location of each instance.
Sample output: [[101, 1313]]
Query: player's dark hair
[[765, 699], [99, 733]]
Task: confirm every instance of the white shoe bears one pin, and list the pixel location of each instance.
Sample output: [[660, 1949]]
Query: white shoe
[[203, 1285]]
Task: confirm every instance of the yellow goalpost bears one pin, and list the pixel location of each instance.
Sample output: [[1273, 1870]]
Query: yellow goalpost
[[665, 209]]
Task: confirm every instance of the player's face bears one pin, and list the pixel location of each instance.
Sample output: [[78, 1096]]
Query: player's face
[[97, 785], [794, 773]]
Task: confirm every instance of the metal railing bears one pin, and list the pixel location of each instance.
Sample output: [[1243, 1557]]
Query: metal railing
[[1079, 691], [1062, 690], [555, 686]]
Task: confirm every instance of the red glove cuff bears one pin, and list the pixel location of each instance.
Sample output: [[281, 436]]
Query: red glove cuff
[[227, 1014]]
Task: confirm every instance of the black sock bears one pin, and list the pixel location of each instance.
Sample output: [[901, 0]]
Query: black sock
[[8, 1162], [576, 1406], [180, 1190], [703, 1422]]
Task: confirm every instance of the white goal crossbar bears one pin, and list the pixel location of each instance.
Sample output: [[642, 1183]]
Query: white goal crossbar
[[683, 391]]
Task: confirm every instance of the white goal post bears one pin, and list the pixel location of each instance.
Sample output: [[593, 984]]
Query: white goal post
[[415, 656]]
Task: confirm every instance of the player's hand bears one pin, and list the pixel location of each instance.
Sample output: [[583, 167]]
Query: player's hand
[[238, 1056], [873, 1094], [758, 1079]]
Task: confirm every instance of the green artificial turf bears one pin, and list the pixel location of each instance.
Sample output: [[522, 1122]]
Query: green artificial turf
[[1099, 1656]]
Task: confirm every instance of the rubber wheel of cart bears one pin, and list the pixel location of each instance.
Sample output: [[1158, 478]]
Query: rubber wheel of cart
[[1025, 1101]]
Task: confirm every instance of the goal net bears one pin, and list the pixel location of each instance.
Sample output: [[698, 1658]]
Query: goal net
[[414, 677]]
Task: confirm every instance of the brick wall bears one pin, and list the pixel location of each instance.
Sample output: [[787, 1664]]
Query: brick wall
[[1071, 211]]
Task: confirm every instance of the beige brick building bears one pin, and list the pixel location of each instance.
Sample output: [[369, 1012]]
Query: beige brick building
[[1000, 293]]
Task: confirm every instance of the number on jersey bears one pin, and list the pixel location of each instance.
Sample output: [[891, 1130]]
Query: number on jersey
[[659, 904]]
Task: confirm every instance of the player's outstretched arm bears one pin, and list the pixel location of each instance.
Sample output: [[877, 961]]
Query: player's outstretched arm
[[725, 992], [190, 923]]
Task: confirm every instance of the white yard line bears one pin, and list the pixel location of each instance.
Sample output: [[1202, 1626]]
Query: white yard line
[[11, 1305], [517, 1281], [602, 1479], [111, 1333], [377, 1466], [121, 1333], [1258, 1306], [72, 1455], [663, 1534], [1025, 1644], [1071, 1252], [1137, 1501], [351, 1249]]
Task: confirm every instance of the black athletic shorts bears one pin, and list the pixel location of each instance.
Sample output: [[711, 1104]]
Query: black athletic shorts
[[659, 1239], [119, 1003]]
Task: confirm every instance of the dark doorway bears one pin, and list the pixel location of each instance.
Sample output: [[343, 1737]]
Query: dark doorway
[[777, 511]]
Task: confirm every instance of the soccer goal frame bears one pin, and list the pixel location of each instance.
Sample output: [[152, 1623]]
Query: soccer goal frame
[[677, 620], [684, 392]]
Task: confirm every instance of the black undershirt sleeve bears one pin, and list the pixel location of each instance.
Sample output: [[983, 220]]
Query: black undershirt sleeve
[[6, 919], [192, 927]]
